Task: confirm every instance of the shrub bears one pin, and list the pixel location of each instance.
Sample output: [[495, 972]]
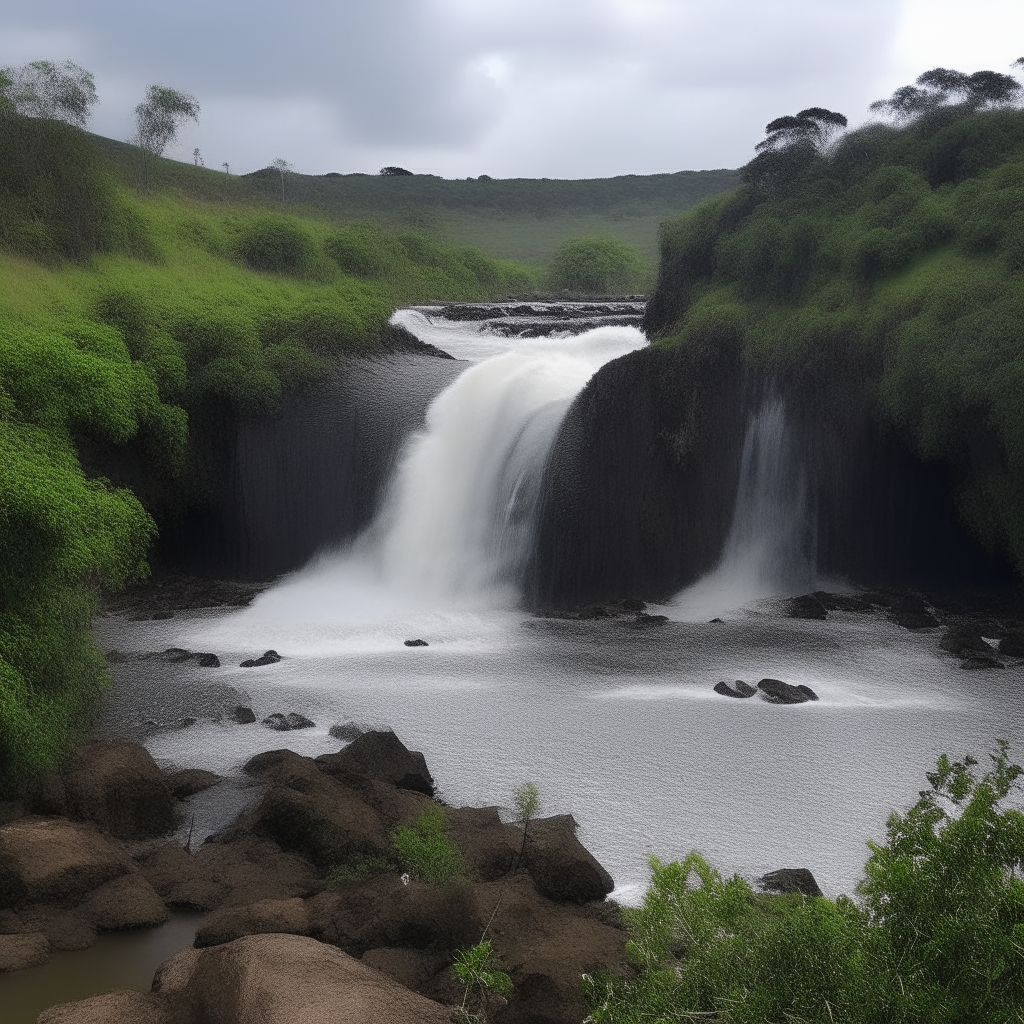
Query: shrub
[[938, 935], [275, 244], [426, 850], [598, 266]]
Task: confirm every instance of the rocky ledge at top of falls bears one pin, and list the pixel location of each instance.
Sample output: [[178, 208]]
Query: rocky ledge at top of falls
[[540, 319], [286, 938]]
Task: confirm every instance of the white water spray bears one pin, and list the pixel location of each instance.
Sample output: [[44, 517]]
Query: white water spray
[[769, 551]]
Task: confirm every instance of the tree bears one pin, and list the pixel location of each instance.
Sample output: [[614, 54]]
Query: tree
[[160, 115], [158, 118], [940, 87], [282, 167], [60, 91], [815, 125], [393, 172]]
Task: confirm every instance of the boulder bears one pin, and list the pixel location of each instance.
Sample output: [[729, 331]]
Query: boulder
[[964, 641], [347, 731], [243, 715], [489, 847], [190, 781], [737, 688], [46, 860], [228, 874], [775, 691], [49, 795], [561, 867], [20, 951], [66, 930], [285, 723], [791, 880], [807, 606], [266, 916], [266, 658], [126, 902], [117, 785], [911, 612], [124, 1006], [282, 979], [416, 643], [385, 911], [412, 968], [383, 756]]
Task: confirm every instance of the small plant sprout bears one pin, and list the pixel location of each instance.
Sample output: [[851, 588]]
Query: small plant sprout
[[479, 969]]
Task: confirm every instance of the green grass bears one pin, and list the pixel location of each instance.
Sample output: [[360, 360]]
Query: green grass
[[517, 218], [889, 277]]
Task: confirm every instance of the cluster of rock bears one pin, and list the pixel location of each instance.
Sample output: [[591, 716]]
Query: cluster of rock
[[980, 640], [538, 320], [631, 608], [774, 691], [80, 857]]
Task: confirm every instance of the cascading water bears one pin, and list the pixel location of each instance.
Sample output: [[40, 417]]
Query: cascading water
[[770, 548], [456, 522]]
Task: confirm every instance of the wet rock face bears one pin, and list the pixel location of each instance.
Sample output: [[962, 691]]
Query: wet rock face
[[641, 480]]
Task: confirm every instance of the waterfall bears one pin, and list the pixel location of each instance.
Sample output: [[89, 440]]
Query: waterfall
[[770, 547], [456, 523]]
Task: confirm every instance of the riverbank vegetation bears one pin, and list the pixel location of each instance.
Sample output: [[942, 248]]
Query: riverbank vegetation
[[936, 933], [884, 270], [124, 312]]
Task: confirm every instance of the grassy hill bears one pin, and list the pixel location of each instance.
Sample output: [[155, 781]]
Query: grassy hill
[[513, 218]]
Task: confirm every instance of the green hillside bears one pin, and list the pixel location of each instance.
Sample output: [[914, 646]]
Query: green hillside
[[885, 272], [513, 218]]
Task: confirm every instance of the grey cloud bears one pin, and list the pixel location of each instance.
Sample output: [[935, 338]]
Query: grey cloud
[[390, 77]]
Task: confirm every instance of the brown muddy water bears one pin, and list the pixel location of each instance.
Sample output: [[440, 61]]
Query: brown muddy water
[[121, 960]]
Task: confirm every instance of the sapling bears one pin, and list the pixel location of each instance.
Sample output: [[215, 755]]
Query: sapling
[[479, 970]]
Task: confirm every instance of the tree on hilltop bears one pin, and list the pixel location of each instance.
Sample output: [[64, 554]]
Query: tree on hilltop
[[56, 91], [394, 172], [941, 87], [158, 118], [815, 125]]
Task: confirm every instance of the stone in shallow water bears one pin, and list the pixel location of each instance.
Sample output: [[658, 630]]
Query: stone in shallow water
[[737, 688], [267, 658], [285, 723], [243, 715], [777, 692], [416, 643]]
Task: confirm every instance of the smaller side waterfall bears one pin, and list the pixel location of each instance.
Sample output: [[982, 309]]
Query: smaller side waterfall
[[770, 548]]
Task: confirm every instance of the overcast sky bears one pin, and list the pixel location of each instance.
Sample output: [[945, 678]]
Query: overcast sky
[[510, 88]]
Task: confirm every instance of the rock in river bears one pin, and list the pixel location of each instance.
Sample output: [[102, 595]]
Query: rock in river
[[737, 688], [777, 692]]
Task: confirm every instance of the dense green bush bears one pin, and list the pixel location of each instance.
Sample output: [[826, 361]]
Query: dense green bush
[[936, 937], [426, 850], [598, 266], [887, 274], [276, 243]]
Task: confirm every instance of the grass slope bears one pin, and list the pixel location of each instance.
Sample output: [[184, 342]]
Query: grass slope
[[513, 218], [889, 275]]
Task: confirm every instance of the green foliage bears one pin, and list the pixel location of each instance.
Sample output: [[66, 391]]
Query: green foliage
[[57, 91], [526, 799], [480, 971], [427, 851], [938, 936], [358, 870], [887, 274], [598, 266], [275, 243], [55, 200], [947, 899]]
